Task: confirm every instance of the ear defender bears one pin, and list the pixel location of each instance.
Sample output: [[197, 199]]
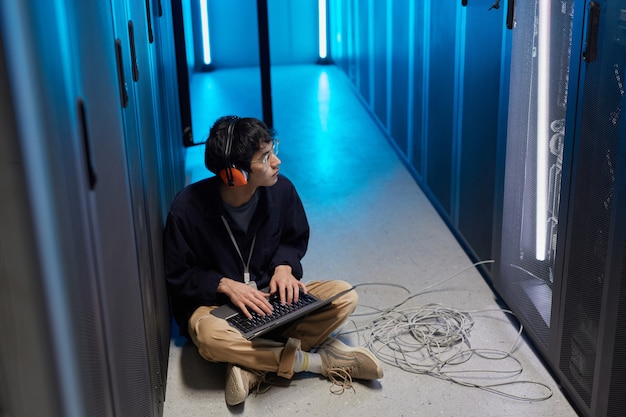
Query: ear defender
[[234, 177], [231, 175]]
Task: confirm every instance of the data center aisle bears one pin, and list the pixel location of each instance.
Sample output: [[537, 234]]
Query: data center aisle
[[371, 225]]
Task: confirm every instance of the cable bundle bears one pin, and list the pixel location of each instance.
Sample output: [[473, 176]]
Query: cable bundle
[[434, 340], [419, 340]]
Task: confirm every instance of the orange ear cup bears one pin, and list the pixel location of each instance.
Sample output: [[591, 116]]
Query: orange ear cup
[[237, 176]]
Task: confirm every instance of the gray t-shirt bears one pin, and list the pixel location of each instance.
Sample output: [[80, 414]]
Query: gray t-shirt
[[243, 214]]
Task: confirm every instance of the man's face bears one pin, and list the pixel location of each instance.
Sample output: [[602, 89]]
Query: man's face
[[264, 166]]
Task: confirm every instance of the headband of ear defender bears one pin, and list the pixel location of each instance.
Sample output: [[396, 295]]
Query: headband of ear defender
[[231, 175]]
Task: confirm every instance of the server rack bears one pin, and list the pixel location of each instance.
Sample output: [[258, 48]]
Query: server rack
[[419, 68], [562, 239], [94, 158], [554, 186]]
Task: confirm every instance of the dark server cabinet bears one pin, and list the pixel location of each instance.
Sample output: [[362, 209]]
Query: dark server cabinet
[[438, 171], [93, 158], [142, 133], [477, 127], [563, 238], [460, 105], [400, 75], [591, 352], [420, 68], [68, 160]]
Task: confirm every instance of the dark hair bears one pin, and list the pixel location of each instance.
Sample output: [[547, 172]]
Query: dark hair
[[247, 135]]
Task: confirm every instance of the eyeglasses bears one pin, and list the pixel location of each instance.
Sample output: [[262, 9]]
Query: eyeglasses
[[266, 158]]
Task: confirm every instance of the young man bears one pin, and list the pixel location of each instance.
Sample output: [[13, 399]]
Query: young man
[[233, 234]]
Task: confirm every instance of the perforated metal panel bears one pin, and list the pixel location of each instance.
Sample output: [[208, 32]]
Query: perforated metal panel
[[617, 399], [594, 244], [586, 266], [534, 158], [587, 270], [476, 142]]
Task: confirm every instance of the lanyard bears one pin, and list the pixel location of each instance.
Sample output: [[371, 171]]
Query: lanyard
[[246, 266]]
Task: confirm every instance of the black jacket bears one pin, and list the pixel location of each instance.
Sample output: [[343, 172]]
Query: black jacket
[[198, 251]]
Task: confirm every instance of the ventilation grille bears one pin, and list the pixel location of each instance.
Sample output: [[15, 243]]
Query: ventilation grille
[[617, 399]]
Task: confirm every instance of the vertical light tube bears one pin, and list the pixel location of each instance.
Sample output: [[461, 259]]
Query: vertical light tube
[[543, 127], [206, 44], [323, 52]]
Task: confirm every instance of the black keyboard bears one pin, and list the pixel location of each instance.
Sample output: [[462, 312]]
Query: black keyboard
[[245, 324]]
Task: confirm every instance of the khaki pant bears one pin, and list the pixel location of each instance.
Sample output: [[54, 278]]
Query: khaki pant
[[217, 341]]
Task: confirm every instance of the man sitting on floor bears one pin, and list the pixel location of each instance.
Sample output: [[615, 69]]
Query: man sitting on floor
[[245, 229]]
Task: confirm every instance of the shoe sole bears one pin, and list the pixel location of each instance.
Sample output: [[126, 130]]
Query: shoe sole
[[235, 391]]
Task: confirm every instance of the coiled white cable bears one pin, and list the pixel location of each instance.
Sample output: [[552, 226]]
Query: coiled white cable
[[434, 340]]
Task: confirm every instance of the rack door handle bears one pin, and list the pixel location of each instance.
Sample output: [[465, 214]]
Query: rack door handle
[[133, 50], [121, 79], [510, 15], [593, 25], [149, 22], [84, 131]]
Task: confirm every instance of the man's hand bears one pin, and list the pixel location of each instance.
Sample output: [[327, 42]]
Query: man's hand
[[286, 284], [245, 297]]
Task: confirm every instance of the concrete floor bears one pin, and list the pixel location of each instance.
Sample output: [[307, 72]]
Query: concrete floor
[[371, 224]]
